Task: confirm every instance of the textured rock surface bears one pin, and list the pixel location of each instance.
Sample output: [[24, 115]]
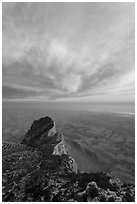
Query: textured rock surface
[[41, 169]]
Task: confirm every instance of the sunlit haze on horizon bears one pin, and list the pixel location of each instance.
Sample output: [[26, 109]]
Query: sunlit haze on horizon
[[68, 52]]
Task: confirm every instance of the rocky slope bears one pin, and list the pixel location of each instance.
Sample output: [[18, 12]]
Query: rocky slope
[[41, 169]]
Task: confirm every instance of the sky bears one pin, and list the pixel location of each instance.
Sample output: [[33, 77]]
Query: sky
[[79, 52]]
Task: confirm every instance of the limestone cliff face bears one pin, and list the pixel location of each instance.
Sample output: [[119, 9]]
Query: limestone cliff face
[[42, 170], [61, 149]]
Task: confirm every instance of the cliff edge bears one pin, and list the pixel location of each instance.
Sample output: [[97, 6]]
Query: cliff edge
[[41, 169]]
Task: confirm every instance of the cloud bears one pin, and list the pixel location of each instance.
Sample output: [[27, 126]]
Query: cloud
[[15, 93], [67, 49], [24, 92]]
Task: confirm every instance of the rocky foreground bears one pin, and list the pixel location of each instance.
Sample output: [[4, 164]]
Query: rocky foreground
[[41, 169]]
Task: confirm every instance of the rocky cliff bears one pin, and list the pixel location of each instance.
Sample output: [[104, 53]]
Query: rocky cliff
[[41, 169]]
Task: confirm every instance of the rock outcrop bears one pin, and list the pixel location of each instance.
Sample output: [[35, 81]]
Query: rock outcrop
[[40, 133], [43, 134], [41, 169]]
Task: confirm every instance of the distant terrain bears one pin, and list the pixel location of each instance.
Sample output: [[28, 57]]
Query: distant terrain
[[42, 169], [98, 141]]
